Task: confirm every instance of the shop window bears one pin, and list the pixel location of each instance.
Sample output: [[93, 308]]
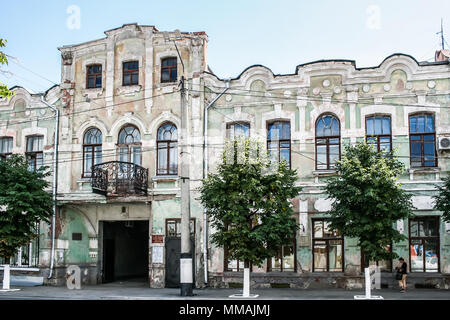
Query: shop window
[[285, 259], [424, 244], [328, 248]]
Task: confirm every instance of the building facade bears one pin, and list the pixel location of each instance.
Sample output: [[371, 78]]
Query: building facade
[[118, 174]]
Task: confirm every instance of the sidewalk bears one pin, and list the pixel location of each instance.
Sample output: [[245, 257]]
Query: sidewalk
[[140, 291]]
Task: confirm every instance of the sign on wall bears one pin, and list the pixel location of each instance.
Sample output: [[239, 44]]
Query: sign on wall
[[157, 254]]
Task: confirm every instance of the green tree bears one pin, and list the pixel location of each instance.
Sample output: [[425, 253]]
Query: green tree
[[368, 200], [443, 199], [23, 203], [4, 92], [249, 205]]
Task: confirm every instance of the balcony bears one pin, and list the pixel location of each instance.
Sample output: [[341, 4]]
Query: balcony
[[118, 178]]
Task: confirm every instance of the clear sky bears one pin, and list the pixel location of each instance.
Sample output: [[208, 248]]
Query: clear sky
[[279, 34]]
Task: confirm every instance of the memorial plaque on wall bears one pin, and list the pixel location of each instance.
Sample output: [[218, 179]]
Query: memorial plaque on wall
[[157, 254]]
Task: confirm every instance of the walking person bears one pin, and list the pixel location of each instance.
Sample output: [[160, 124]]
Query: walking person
[[401, 274]]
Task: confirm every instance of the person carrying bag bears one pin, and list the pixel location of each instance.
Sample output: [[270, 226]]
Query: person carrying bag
[[401, 274]]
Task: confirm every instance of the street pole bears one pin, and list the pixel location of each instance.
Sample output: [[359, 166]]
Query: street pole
[[186, 254]]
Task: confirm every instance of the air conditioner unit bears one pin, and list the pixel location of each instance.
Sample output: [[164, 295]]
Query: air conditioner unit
[[444, 143]]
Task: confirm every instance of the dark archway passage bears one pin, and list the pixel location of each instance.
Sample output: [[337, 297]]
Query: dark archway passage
[[125, 250]]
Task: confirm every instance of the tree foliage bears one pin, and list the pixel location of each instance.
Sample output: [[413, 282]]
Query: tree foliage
[[4, 92], [368, 200], [443, 199], [248, 205], [23, 203]]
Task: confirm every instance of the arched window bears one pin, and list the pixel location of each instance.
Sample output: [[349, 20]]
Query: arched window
[[279, 141], [422, 140], [328, 142], [129, 145], [92, 150], [166, 141], [378, 132]]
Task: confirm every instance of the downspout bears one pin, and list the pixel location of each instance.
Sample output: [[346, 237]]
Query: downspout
[[55, 181], [205, 173]]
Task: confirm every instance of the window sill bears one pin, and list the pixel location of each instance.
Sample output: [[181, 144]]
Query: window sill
[[424, 169], [167, 178], [324, 173], [129, 89], [92, 93]]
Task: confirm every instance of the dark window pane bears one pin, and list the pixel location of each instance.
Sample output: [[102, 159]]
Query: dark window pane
[[386, 125], [430, 124], [134, 78], [98, 82], [413, 124], [369, 127]]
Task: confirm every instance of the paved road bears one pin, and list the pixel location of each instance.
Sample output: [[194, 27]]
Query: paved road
[[140, 291]]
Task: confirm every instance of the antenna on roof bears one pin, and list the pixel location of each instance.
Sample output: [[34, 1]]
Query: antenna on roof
[[442, 35]]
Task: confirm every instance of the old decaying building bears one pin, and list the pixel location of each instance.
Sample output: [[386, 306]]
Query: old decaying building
[[118, 175]]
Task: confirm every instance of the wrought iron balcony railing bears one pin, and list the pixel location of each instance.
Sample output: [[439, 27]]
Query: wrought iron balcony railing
[[118, 178]]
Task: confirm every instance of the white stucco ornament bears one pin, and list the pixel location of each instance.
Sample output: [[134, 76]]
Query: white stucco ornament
[[409, 85], [287, 93], [326, 83], [228, 97], [316, 91], [366, 88], [431, 84], [423, 202], [323, 205], [387, 87], [337, 90]]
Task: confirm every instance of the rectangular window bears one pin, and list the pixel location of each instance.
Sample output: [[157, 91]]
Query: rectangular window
[[94, 76], [424, 244], [34, 153], [169, 70], [232, 265], [422, 140], [378, 132], [285, 259], [237, 130], [130, 73], [173, 227], [279, 141], [328, 248], [6, 146]]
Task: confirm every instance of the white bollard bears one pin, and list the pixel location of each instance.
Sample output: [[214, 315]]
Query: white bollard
[[6, 277], [368, 282], [246, 292]]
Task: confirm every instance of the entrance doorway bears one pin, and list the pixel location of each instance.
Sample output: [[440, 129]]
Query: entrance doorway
[[125, 250]]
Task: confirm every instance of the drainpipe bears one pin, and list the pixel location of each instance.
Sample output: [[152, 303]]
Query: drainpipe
[[55, 181], [205, 173]]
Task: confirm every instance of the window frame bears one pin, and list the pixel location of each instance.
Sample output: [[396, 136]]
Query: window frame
[[33, 155], [168, 148], [95, 75], [280, 141], [327, 144], [269, 261], [326, 240], [422, 141], [130, 72], [234, 123], [169, 69], [7, 154], [178, 220], [93, 152], [378, 136], [129, 145], [422, 239]]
